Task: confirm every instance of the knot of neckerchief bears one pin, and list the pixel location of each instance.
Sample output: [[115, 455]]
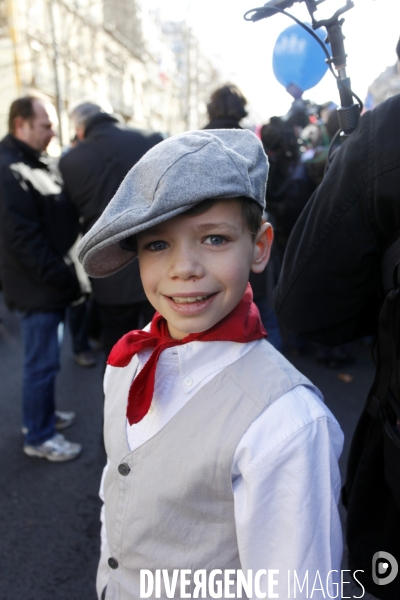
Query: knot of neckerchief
[[242, 325]]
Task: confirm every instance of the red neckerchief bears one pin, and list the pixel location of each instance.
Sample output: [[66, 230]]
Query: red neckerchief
[[242, 325]]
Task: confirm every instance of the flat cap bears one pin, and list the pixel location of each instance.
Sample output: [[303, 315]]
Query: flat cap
[[168, 180]]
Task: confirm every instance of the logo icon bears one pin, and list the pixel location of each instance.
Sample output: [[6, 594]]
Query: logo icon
[[384, 568]]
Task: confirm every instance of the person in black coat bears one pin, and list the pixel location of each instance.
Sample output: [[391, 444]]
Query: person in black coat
[[92, 173], [38, 225], [331, 291], [288, 186]]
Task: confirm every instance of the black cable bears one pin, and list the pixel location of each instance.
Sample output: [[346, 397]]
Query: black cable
[[262, 9], [331, 153]]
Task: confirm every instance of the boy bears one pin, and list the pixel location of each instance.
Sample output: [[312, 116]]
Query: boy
[[222, 459]]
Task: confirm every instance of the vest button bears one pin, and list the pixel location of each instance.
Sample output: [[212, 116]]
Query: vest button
[[123, 469], [113, 563]]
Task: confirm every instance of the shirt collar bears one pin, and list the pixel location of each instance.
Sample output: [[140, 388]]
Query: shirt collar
[[195, 361]]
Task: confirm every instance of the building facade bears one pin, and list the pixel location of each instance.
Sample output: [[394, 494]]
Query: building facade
[[112, 52]]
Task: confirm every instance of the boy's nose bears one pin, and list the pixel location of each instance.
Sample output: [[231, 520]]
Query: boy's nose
[[186, 265]]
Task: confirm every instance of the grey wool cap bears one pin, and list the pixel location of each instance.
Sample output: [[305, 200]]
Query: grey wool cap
[[168, 180]]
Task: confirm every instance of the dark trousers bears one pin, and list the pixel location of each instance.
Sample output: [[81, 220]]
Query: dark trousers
[[117, 320], [78, 316]]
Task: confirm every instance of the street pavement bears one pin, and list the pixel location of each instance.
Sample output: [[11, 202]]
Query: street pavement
[[346, 401], [49, 512]]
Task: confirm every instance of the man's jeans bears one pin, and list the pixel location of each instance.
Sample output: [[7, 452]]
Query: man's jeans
[[41, 364]]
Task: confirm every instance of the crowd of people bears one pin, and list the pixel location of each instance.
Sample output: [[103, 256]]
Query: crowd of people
[[196, 209]]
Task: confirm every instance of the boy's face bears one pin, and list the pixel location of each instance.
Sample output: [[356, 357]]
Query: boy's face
[[195, 268]]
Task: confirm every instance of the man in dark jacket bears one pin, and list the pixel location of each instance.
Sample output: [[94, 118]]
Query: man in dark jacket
[[331, 291], [92, 173], [38, 225]]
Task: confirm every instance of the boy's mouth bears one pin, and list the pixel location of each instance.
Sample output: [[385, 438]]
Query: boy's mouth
[[190, 299], [191, 304]]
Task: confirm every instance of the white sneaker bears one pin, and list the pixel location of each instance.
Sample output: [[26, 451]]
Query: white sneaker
[[64, 419], [57, 449]]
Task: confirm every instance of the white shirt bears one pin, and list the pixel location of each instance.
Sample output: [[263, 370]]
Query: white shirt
[[285, 474]]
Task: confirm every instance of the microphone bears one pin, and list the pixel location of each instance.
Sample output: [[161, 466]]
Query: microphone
[[269, 8]]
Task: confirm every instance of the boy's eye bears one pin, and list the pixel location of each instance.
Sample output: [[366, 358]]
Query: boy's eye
[[215, 240], [158, 245]]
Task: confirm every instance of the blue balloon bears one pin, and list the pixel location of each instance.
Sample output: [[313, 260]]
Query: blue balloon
[[298, 60]]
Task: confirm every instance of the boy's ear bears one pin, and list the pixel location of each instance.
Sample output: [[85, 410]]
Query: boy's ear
[[262, 247]]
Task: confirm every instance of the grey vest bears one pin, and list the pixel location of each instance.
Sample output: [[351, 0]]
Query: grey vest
[[169, 503]]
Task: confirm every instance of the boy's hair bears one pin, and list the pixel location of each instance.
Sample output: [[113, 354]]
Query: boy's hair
[[252, 212]]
